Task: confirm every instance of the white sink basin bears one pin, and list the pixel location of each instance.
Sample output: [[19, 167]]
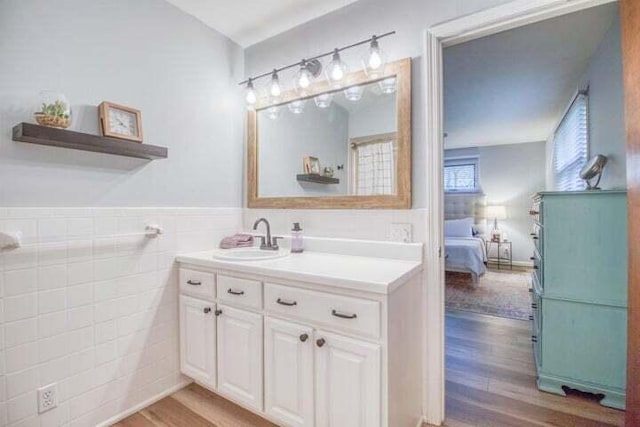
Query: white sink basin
[[248, 254]]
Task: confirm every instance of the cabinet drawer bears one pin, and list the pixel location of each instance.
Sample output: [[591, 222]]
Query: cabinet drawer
[[197, 283], [239, 291], [538, 269], [348, 313]]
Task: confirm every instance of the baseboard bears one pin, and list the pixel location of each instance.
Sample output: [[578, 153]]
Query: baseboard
[[121, 416]]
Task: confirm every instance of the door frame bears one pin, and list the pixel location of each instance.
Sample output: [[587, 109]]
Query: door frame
[[516, 13]]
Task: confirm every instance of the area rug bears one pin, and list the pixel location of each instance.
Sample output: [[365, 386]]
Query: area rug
[[499, 293]]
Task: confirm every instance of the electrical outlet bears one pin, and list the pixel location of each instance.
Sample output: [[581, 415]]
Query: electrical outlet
[[401, 232], [47, 398]]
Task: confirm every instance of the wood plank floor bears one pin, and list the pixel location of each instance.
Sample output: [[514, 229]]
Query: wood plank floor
[[490, 382]]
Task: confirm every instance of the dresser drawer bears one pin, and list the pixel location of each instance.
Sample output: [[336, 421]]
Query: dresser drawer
[[197, 283], [348, 313], [538, 269], [235, 290], [536, 235]]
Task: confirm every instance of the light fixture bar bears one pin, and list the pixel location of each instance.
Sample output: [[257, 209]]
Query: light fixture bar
[[331, 52]]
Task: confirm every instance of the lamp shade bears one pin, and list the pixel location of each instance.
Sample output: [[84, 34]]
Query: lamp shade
[[497, 211]]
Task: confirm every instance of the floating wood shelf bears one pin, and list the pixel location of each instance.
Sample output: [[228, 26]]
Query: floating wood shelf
[[318, 179], [43, 135]]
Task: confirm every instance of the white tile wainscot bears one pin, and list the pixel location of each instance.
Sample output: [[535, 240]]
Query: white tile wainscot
[[93, 312], [329, 338]]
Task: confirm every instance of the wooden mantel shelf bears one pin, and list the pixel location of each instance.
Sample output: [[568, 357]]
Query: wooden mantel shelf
[[43, 135]]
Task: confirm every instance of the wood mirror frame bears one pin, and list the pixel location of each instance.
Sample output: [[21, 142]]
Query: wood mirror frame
[[401, 69]]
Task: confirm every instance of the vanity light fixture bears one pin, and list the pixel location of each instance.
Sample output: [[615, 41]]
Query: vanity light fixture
[[354, 93], [323, 100], [304, 78], [274, 87], [375, 59], [297, 107], [250, 95], [336, 70], [311, 68]]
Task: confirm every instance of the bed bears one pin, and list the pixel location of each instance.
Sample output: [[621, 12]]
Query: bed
[[466, 253]]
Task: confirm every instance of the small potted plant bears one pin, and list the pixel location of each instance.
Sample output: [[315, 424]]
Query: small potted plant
[[55, 110]]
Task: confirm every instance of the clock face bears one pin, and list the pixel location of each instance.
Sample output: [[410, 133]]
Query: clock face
[[123, 122]]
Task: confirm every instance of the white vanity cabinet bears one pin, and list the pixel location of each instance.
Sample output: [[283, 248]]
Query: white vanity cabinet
[[289, 372], [303, 353], [240, 355], [198, 340]]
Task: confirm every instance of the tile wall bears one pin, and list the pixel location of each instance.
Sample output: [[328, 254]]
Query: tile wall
[[92, 310]]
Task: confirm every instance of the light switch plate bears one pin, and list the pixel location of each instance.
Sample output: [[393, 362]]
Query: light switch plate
[[401, 232]]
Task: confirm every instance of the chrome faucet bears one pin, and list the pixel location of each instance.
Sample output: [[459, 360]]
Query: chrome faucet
[[267, 243]]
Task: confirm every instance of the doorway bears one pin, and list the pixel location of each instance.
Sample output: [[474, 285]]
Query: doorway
[[450, 34]]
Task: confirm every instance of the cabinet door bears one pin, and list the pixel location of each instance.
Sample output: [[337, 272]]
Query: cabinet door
[[348, 379], [240, 355], [288, 361], [198, 340]]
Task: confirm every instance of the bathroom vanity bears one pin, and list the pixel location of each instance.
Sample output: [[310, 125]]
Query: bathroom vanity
[[311, 339]]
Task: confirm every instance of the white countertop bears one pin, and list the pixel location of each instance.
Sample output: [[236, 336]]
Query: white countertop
[[362, 273]]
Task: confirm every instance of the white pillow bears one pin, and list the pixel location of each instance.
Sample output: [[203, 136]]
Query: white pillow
[[458, 227]]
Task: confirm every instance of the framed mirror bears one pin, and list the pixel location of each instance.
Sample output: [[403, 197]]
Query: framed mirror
[[346, 148]]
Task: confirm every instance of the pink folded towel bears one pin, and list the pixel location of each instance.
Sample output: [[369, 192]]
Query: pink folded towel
[[237, 241]]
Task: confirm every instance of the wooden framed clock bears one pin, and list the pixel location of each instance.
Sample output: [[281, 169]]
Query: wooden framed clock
[[119, 121]]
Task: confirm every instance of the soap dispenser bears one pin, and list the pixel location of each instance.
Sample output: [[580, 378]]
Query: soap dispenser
[[297, 245]]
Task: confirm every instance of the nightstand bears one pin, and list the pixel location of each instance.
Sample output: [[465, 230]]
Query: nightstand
[[499, 259]]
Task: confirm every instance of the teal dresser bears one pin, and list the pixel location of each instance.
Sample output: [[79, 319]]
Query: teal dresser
[[579, 292]]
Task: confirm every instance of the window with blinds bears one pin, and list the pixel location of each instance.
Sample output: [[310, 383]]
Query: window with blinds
[[461, 175], [571, 145]]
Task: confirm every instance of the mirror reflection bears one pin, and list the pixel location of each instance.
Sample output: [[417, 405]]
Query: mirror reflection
[[336, 143]]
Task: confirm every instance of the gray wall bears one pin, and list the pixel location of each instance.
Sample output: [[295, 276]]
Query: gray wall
[[509, 175], [606, 110], [376, 118], [284, 142], [143, 53], [357, 21]]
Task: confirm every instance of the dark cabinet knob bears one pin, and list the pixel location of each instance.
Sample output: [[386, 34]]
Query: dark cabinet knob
[[218, 312], [534, 305], [232, 292], [287, 303], [530, 317], [535, 267], [532, 212], [194, 282], [535, 237], [534, 338], [532, 258], [207, 310], [320, 342], [304, 337], [530, 290]]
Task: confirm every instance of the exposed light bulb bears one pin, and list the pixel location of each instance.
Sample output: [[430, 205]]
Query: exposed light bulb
[[250, 95], [274, 88], [336, 70], [273, 112], [297, 107], [374, 60], [303, 79], [388, 85], [323, 100], [354, 93]]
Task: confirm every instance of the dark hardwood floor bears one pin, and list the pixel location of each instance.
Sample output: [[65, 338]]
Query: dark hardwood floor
[[490, 382]]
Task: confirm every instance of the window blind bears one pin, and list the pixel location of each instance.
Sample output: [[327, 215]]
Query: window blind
[[571, 145], [461, 175]]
